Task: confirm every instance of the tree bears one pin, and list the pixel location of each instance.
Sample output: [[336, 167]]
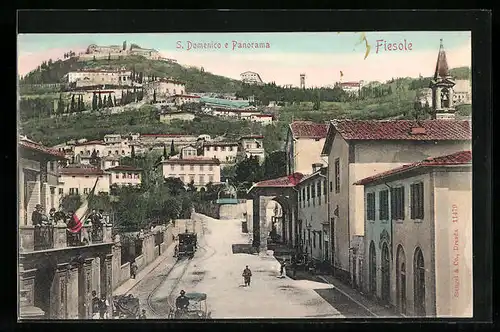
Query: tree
[[94, 158], [93, 58], [274, 165], [123, 98], [99, 103], [248, 170], [165, 156], [109, 56], [73, 105], [70, 203], [94, 101], [105, 102], [124, 45], [132, 151], [110, 101], [175, 186], [172, 148], [191, 187], [154, 96], [114, 101], [60, 105]]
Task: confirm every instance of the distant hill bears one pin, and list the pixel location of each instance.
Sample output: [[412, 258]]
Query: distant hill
[[196, 80]]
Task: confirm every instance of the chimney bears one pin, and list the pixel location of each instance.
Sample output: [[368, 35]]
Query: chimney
[[316, 167]]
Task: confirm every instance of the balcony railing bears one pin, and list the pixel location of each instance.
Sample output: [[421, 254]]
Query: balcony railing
[[36, 238], [43, 237]]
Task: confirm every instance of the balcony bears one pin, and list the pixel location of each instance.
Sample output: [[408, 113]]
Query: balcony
[[54, 237]]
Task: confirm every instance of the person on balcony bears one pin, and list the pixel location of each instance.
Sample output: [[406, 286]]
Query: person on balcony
[[37, 215], [52, 213], [101, 217]]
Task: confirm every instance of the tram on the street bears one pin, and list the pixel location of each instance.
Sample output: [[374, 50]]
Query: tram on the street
[[187, 244]]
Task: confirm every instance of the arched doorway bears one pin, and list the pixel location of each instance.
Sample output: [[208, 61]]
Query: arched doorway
[[419, 282], [373, 269], [401, 280], [385, 267]]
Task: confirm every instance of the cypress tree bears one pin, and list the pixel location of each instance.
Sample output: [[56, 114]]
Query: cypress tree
[[165, 151], [123, 98], [79, 103], [60, 105], [99, 102], [132, 152], [73, 106], [172, 148], [114, 101], [110, 101], [105, 102], [94, 102], [154, 96]]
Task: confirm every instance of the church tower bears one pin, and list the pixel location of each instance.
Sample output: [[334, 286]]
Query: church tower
[[442, 89]]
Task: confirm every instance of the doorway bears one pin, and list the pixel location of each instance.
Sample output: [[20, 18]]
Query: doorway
[[372, 263], [419, 283], [386, 281]]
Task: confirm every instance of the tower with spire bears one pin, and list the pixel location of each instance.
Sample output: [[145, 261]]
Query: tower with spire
[[442, 88]]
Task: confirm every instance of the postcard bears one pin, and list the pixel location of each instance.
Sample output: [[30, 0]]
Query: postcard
[[245, 175]]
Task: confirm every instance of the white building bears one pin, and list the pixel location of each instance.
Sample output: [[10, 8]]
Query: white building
[[351, 87], [313, 225], [198, 170], [182, 99], [226, 152], [188, 152], [238, 113], [80, 179], [253, 146], [251, 77], [109, 161], [265, 119], [164, 88], [86, 148], [124, 175], [418, 237], [462, 92], [305, 140], [90, 77]]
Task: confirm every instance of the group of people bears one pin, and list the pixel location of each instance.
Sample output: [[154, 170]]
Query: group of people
[[99, 306], [39, 218]]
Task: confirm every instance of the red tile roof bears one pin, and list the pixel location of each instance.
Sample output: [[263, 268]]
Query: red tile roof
[[81, 170], [197, 161], [308, 129], [124, 168], [42, 149], [435, 130], [166, 135], [252, 136], [286, 181], [458, 158]]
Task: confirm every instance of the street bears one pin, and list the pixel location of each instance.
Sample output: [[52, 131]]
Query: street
[[216, 271]]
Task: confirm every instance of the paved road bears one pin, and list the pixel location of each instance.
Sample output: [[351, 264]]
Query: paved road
[[216, 270]]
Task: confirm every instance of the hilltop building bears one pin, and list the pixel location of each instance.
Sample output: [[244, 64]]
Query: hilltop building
[[117, 51], [164, 88], [93, 77], [352, 88], [251, 77]]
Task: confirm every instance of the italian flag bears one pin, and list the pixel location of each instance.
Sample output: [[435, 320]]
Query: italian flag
[[76, 223]]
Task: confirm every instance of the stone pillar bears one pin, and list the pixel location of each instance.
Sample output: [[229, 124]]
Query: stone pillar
[[256, 222], [117, 260], [86, 287], [26, 238], [58, 298], [106, 280], [107, 235], [60, 235], [72, 293], [264, 231]]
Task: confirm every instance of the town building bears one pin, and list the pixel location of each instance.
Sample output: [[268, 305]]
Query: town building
[[56, 275], [265, 119], [462, 92], [418, 237], [252, 146], [163, 88], [212, 103], [352, 88], [313, 225], [358, 149], [225, 152], [236, 113], [124, 175], [189, 152], [86, 148], [168, 116], [251, 77], [91, 77], [80, 179], [109, 161], [181, 99], [198, 170], [304, 142]]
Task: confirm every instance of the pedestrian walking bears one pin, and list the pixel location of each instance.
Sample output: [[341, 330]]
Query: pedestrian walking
[[133, 270], [282, 268], [247, 275], [95, 305]]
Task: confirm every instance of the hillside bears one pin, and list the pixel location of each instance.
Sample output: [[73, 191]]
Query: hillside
[[196, 79]]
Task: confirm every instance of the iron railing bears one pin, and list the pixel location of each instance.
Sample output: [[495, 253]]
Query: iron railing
[[43, 237]]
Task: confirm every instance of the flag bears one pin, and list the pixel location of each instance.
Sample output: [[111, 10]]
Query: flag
[[76, 222], [341, 73]]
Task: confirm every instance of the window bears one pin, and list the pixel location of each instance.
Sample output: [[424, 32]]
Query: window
[[313, 191], [308, 193], [61, 191], [370, 206], [304, 197], [211, 178], [300, 196], [191, 168], [417, 200], [397, 203], [182, 167], [172, 167], [85, 191], [211, 168], [117, 175], [314, 240], [202, 179], [216, 148], [73, 191], [331, 186], [201, 167], [51, 166], [124, 175], [383, 205], [337, 175]]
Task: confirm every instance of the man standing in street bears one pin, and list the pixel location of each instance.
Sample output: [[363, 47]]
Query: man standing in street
[[247, 274], [95, 305]]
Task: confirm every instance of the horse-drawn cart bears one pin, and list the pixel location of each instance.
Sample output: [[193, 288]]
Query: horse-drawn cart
[[197, 308], [125, 307]]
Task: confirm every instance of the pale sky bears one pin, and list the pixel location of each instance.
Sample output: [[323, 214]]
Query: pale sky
[[321, 56]]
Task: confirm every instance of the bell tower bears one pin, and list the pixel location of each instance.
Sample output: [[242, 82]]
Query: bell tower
[[442, 88]]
